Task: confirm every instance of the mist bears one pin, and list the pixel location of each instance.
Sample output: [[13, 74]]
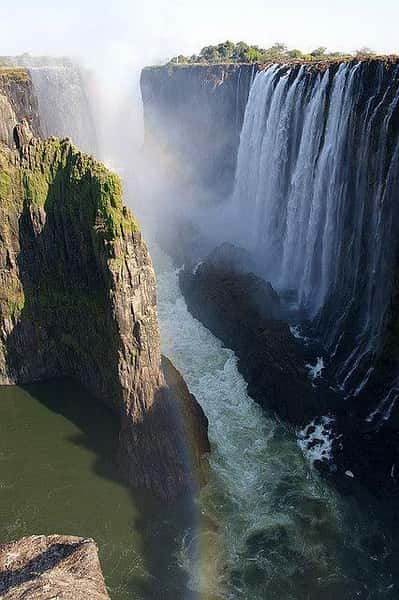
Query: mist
[[113, 41]]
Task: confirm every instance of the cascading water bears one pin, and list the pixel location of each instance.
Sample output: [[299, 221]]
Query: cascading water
[[64, 106], [316, 182]]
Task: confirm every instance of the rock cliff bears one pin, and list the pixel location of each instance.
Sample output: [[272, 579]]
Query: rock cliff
[[78, 299], [193, 116], [244, 311], [77, 290], [64, 105], [55, 566], [17, 102], [356, 320]]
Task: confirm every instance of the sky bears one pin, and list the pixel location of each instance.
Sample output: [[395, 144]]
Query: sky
[[117, 33]]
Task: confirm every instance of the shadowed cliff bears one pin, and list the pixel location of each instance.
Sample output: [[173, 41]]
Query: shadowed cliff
[[78, 299]]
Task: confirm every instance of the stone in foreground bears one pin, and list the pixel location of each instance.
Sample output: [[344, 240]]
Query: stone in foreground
[[47, 567]]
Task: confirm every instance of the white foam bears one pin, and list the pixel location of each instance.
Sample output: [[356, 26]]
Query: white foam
[[297, 333], [315, 371], [197, 266], [316, 439]]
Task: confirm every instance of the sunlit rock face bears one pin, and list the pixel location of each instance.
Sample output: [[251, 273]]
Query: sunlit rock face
[[193, 118], [78, 295], [78, 298], [54, 566], [17, 102]]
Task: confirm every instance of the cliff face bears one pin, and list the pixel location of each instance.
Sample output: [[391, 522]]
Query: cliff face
[[63, 103], [17, 102], [193, 115], [78, 299], [55, 566]]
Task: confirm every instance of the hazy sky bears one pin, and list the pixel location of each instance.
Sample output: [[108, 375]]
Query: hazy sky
[[126, 32]]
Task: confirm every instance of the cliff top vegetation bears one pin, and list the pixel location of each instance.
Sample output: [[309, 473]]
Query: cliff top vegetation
[[26, 60], [16, 74], [231, 52]]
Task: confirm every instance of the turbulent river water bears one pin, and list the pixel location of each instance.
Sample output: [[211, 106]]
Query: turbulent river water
[[271, 528]]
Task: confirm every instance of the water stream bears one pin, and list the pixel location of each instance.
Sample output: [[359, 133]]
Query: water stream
[[271, 528]]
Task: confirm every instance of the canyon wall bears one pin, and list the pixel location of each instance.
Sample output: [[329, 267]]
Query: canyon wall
[[64, 105], [193, 117], [78, 299], [314, 202], [17, 102]]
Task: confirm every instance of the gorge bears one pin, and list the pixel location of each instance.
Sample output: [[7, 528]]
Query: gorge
[[295, 163], [313, 202]]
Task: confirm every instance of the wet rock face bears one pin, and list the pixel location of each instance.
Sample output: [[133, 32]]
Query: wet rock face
[[78, 299], [193, 118], [244, 311], [17, 102], [56, 566], [192, 420]]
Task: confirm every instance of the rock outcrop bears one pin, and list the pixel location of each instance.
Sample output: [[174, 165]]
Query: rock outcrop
[[244, 311], [48, 567], [193, 118], [17, 102], [193, 421], [78, 299]]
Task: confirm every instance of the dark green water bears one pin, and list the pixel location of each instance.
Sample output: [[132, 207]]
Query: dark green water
[[58, 475]]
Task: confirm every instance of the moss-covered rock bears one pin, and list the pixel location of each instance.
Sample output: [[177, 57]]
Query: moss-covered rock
[[77, 299]]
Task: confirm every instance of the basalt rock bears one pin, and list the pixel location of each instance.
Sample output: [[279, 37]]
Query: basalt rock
[[78, 299], [48, 567], [244, 311], [193, 421], [193, 117], [17, 103]]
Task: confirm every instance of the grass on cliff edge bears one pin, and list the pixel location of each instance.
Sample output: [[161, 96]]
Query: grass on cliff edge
[[55, 174], [15, 74], [56, 169]]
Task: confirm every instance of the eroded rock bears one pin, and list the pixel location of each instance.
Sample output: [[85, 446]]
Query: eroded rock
[[78, 299], [244, 311], [51, 567]]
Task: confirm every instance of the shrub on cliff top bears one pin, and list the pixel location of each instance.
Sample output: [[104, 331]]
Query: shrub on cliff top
[[230, 52]]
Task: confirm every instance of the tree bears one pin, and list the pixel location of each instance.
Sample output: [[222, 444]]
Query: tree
[[365, 51], [319, 52], [295, 54]]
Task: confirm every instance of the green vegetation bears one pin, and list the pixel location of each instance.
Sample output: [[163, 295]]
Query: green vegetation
[[26, 60], [19, 75], [12, 297], [57, 173], [53, 177], [230, 52]]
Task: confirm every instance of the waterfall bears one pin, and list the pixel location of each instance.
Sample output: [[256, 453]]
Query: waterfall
[[315, 188], [64, 107]]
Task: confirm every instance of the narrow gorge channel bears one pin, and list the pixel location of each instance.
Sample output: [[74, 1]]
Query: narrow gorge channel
[[270, 527]]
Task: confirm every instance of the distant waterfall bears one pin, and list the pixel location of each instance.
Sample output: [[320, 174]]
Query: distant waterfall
[[316, 196], [64, 107]]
